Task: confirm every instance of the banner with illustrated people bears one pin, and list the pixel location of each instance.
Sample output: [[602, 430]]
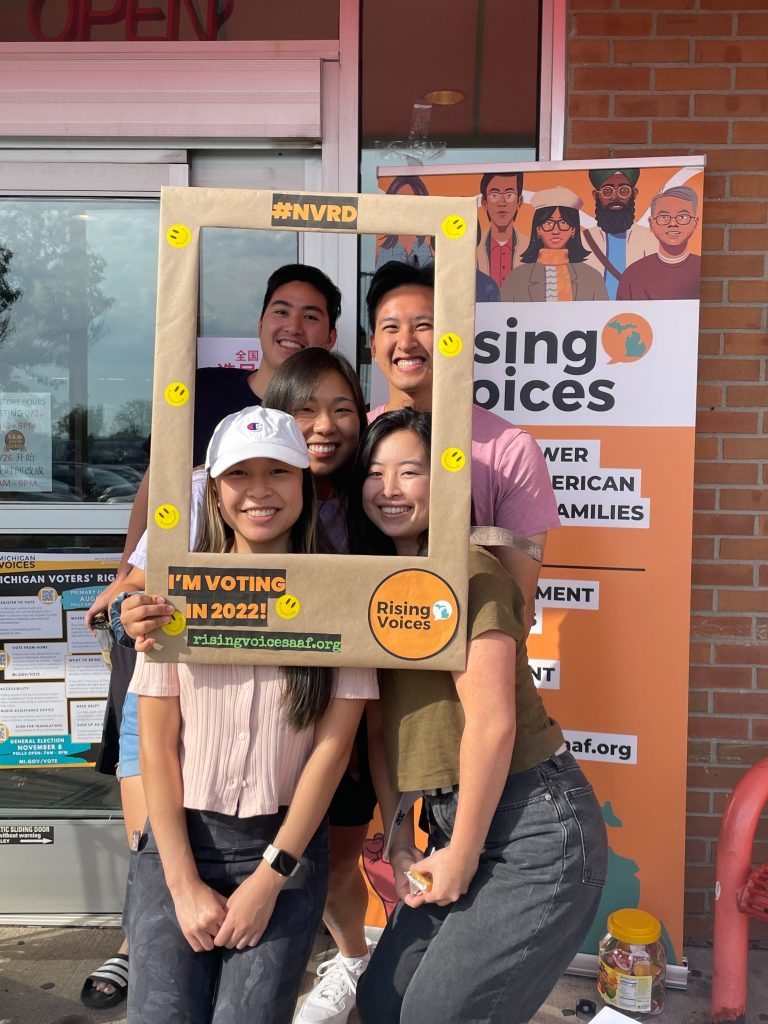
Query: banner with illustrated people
[[608, 389]]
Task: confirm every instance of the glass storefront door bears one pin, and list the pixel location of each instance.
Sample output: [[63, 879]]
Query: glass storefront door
[[76, 334], [77, 308]]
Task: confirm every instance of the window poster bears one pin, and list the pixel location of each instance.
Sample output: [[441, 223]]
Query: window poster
[[25, 442], [240, 353], [54, 679]]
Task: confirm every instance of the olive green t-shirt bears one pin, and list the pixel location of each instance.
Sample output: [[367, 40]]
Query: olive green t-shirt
[[423, 716]]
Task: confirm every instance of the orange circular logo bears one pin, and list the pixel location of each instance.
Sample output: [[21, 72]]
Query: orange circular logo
[[413, 614], [626, 338]]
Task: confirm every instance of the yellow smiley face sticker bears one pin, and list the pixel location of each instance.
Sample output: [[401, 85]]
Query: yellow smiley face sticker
[[177, 394], [176, 624], [450, 344], [178, 235], [454, 227], [288, 606], [453, 459], [167, 516]]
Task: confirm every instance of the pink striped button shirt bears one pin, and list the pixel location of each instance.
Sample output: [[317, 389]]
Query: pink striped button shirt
[[238, 754]]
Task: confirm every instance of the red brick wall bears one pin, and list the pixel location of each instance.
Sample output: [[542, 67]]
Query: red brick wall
[[681, 77]]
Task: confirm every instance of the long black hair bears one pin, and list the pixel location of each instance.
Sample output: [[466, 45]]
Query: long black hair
[[294, 382], [308, 688], [364, 537], [576, 251], [217, 536], [292, 386]]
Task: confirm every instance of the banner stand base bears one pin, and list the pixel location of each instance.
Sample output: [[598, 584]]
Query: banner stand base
[[584, 965]]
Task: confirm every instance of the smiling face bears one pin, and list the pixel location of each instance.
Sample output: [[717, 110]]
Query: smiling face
[[615, 204], [296, 317], [260, 499], [396, 490], [615, 193], [401, 342], [673, 237], [330, 424], [554, 232]]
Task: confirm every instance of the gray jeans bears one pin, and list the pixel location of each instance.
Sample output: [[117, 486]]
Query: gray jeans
[[171, 984], [494, 955]]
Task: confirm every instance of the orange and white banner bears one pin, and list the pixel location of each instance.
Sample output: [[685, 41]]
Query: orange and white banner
[[597, 357]]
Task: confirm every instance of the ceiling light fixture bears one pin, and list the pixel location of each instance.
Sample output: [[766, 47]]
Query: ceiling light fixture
[[444, 97]]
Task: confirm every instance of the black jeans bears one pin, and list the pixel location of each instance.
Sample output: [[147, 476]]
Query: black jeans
[[494, 955], [171, 984]]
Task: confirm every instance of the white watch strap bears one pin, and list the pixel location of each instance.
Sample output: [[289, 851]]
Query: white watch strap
[[271, 853]]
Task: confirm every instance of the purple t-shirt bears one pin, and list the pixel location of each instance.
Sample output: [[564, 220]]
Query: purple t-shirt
[[510, 483]]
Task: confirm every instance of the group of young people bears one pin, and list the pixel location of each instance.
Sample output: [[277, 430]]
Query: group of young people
[[258, 783]]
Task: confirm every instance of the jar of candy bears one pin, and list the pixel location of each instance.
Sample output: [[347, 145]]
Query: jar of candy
[[633, 963]]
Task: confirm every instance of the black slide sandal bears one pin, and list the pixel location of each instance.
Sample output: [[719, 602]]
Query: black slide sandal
[[113, 971]]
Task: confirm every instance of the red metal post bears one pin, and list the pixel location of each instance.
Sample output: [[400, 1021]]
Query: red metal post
[[734, 859]]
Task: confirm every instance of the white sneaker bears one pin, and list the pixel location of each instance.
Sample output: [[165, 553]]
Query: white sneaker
[[332, 999]]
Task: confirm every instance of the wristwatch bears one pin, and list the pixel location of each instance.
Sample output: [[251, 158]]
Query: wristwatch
[[281, 862]]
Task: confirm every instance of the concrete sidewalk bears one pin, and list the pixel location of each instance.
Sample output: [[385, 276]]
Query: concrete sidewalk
[[42, 971]]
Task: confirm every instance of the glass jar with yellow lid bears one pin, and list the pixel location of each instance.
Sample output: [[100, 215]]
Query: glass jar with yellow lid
[[633, 963]]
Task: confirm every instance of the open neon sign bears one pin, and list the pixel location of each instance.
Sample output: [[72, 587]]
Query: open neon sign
[[74, 20]]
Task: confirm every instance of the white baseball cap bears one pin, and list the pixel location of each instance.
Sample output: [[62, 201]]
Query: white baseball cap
[[256, 433]]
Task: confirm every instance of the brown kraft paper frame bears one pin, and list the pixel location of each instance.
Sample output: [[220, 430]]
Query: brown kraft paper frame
[[369, 611]]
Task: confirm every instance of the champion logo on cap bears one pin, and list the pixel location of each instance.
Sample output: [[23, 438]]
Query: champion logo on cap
[[256, 433]]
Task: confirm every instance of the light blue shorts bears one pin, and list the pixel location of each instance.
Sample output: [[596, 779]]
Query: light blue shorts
[[129, 738]]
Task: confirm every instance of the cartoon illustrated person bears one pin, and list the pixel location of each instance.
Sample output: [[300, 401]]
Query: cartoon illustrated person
[[553, 267], [673, 272], [486, 289], [378, 872], [617, 241], [501, 245], [415, 250]]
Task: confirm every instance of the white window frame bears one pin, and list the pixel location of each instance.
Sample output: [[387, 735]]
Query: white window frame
[[82, 173], [552, 108], [48, 102], [57, 173]]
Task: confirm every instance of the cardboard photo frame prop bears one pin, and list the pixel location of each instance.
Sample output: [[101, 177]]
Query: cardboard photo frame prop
[[369, 611]]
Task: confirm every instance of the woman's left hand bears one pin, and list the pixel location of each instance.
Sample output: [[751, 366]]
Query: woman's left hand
[[450, 878], [249, 909], [142, 614]]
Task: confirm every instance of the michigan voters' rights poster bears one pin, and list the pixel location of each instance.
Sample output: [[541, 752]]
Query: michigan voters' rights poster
[[53, 679]]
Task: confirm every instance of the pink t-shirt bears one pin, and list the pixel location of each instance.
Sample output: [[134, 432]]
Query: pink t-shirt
[[510, 483], [238, 754]]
